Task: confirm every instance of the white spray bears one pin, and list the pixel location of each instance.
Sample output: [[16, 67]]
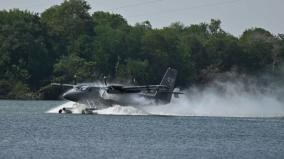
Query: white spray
[[233, 100]]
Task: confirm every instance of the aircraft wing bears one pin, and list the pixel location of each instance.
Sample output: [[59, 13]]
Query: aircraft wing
[[146, 87], [62, 85], [58, 85], [116, 89]]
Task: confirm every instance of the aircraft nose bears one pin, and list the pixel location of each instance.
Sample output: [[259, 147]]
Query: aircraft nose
[[72, 96]]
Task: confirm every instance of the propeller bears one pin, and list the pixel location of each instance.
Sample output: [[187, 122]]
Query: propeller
[[75, 79], [105, 80]]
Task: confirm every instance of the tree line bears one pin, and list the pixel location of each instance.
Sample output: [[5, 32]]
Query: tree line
[[67, 41]]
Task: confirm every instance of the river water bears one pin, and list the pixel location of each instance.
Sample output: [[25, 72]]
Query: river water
[[27, 131]]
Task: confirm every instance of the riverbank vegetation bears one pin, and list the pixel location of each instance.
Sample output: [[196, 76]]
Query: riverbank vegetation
[[67, 40]]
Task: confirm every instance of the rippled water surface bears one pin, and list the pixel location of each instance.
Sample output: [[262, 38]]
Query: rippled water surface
[[26, 131]]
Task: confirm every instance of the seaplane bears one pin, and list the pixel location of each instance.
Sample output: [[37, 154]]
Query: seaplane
[[98, 97]]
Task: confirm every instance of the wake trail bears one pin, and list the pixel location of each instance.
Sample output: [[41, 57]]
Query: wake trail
[[114, 110], [205, 105]]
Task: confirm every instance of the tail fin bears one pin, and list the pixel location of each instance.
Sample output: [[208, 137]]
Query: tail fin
[[168, 80]]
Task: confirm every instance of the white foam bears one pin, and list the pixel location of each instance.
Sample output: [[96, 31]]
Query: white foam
[[76, 107], [121, 110], [222, 106]]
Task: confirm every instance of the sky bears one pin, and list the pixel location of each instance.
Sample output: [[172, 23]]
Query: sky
[[236, 15]]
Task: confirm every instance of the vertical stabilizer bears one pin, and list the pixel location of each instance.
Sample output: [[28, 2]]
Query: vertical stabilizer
[[168, 80]]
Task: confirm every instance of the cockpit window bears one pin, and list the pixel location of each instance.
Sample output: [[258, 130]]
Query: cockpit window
[[83, 88]]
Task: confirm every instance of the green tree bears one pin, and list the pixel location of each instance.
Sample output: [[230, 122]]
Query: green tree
[[223, 51], [67, 24], [24, 52], [215, 26], [257, 44], [110, 44], [70, 67], [138, 70], [65, 40]]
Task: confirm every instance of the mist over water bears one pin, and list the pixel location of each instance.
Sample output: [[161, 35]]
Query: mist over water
[[225, 99], [228, 96]]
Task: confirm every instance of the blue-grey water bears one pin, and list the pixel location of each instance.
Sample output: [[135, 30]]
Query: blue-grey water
[[26, 131]]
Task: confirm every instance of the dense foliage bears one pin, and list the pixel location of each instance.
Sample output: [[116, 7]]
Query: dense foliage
[[66, 40]]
